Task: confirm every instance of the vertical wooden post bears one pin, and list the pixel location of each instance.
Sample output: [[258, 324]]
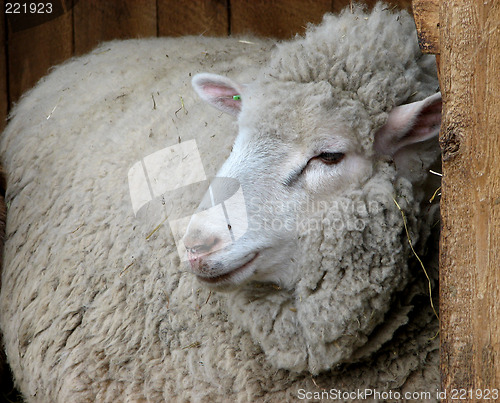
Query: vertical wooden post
[[4, 99], [34, 45], [468, 41], [187, 17], [96, 21], [470, 209], [279, 18]]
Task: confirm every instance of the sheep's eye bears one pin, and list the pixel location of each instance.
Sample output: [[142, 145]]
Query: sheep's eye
[[331, 158]]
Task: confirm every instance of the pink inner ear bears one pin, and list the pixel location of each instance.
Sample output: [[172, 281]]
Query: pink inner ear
[[409, 124], [222, 96], [216, 91], [219, 92], [425, 124]]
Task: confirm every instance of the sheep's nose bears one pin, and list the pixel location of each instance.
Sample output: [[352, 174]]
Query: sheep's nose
[[197, 248]]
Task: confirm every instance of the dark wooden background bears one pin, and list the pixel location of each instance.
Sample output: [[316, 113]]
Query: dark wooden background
[[31, 44]]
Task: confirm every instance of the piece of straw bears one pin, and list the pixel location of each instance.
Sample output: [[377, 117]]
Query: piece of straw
[[156, 228], [418, 258]]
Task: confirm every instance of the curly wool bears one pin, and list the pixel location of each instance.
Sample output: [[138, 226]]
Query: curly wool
[[94, 305], [343, 292], [372, 62], [345, 69]]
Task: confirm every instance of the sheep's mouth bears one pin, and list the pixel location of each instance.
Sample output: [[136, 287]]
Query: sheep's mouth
[[228, 275]]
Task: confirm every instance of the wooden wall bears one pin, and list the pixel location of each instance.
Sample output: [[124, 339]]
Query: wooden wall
[[3, 73], [31, 44], [465, 35]]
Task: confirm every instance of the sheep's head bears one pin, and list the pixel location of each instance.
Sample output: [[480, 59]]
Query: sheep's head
[[317, 218], [338, 128], [295, 153]]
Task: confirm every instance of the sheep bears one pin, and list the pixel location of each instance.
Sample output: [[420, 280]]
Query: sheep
[[4, 372], [100, 299]]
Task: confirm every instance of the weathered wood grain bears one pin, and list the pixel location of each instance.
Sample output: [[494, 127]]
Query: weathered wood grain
[[470, 208], [276, 18], [4, 97], [33, 49], [96, 21], [339, 5], [201, 17], [426, 13]]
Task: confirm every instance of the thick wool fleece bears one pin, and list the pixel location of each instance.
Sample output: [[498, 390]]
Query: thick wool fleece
[[343, 291], [94, 303], [371, 61]]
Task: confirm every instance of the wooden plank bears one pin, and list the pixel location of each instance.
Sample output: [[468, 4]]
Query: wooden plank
[[33, 48], [339, 5], [5, 378], [4, 97], [426, 13], [470, 207], [276, 18], [187, 17], [96, 21]]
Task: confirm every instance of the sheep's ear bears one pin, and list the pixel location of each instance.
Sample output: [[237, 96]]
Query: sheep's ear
[[219, 91], [409, 124]]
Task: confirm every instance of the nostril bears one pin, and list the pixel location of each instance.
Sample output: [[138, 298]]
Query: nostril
[[202, 248]]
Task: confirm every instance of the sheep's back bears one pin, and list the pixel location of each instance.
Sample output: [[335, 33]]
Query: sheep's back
[[94, 306]]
